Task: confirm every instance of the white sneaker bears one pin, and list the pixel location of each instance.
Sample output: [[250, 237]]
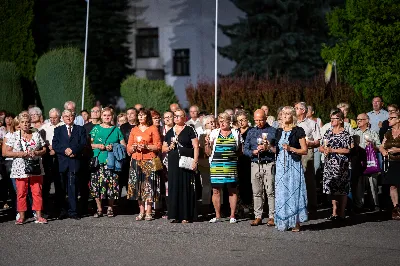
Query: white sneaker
[[214, 220], [232, 221], [17, 217], [34, 215]]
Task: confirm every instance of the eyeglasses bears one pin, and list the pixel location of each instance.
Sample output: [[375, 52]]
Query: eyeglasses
[[335, 118], [178, 116], [95, 111], [142, 115], [167, 117], [34, 114], [242, 120], [393, 117], [361, 119]]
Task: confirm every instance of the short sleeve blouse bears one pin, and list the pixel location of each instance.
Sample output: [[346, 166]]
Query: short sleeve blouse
[[18, 143], [99, 136]]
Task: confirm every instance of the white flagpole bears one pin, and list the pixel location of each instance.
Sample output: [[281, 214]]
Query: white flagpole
[[84, 59], [216, 60]]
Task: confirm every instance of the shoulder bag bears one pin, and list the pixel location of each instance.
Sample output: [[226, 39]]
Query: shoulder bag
[[94, 163], [32, 166], [185, 162]]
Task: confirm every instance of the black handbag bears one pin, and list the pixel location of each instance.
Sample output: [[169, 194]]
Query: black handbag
[[32, 166], [94, 163]]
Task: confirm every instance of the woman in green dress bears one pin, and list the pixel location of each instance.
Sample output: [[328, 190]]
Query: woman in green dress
[[104, 181]]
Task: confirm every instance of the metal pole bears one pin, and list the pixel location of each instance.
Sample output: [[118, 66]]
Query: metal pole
[[216, 60], [84, 59], [335, 74]]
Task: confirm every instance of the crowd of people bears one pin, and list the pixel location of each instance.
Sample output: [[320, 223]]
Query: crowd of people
[[170, 162]]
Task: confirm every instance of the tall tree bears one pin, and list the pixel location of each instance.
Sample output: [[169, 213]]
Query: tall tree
[[278, 37], [62, 22], [368, 48]]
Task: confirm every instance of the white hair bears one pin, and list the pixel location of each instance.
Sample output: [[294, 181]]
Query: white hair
[[69, 112], [303, 105], [195, 106], [35, 110], [206, 119], [55, 110], [68, 103]]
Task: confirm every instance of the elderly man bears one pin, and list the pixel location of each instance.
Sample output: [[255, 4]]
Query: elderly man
[[270, 118], [50, 161], [68, 142], [173, 107], [260, 147], [194, 120], [364, 136], [313, 137], [378, 114], [70, 105]]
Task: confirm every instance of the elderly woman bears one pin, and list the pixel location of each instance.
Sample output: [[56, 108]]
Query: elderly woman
[[36, 115], [290, 187], [104, 181], [182, 145], [27, 148], [245, 197], [390, 149], [6, 183], [337, 143], [223, 146], [204, 165], [344, 107], [144, 179]]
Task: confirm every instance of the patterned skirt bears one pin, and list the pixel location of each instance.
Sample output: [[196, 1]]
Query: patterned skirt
[[144, 183], [104, 183]]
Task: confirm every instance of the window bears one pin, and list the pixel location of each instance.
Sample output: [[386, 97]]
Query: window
[[181, 62], [155, 74], [147, 43]]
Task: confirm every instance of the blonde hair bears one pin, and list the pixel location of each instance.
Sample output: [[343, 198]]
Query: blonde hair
[[225, 116], [292, 111], [107, 109], [24, 115], [121, 115], [180, 110], [346, 106]]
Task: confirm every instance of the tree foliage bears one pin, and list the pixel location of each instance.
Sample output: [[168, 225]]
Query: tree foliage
[[10, 87], [62, 23], [252, 93], [368, 48], [17, 44], [278, 37], [150, 93], [59, 79]]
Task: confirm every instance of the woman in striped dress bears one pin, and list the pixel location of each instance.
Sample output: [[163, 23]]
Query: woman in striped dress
[[223, 147]]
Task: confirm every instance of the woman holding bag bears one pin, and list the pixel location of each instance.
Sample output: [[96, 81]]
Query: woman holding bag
[[144, 178], [104, 181], [182, 146], [27, 148]]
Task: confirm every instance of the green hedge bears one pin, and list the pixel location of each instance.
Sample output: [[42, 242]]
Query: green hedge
[[59, 79], [17, 44], [10, 88], [253, 93], [150, 93]]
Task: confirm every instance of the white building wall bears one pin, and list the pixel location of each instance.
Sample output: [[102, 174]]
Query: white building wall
[[183, 24]]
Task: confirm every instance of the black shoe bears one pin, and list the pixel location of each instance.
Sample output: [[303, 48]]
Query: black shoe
[[75, 217], [332, 218], [62, 216]]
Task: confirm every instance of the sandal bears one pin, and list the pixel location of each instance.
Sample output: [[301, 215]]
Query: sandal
[[296, 228], [98, 214], [174, 221], [140, 217], [110, 213], [41, 220], [19, 221], [149, 217], [185, 222]]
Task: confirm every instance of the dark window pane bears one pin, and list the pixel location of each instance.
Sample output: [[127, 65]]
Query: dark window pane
[[147, 43], [181, 62]]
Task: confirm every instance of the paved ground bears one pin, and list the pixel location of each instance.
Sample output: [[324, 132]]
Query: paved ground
[[369, 239]]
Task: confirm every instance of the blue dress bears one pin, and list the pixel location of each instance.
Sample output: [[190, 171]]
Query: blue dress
[[290, 189]]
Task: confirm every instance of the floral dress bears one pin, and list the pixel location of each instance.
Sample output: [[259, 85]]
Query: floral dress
[[336, 179], [104, 182]]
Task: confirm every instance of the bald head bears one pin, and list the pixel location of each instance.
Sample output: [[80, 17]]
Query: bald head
[[259, 118], [173, 107]]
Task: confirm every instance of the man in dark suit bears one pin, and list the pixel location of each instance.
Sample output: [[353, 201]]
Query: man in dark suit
[[68, 143]]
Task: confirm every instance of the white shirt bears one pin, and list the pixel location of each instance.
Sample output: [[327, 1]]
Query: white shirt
[[47, 132], [310, 128], [197, 125]]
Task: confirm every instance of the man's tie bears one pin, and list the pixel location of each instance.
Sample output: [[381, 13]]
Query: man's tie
[[69, 131]]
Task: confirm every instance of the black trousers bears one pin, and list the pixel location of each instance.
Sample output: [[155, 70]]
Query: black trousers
[[50, 164], [66, 183]]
